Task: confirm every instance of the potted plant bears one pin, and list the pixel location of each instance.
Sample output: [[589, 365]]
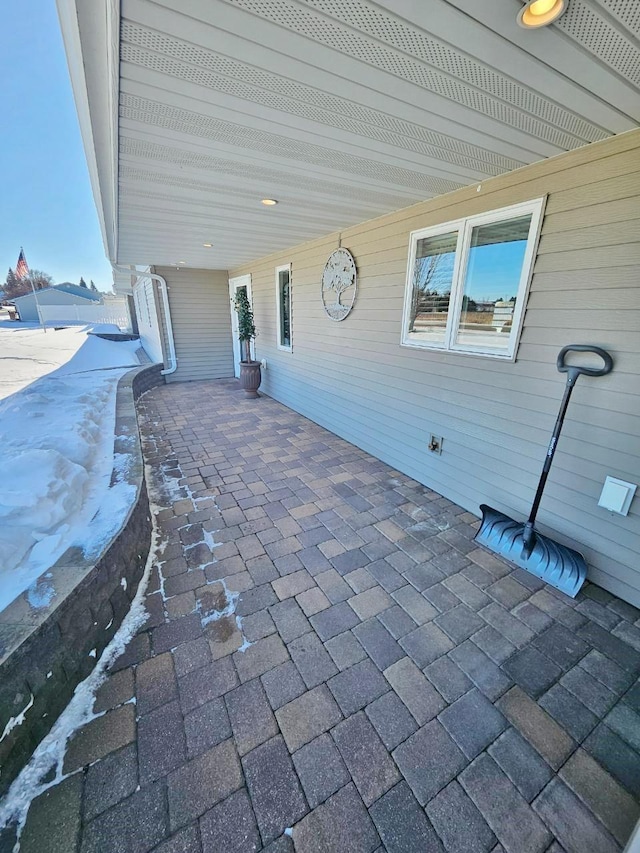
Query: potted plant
[[250, 376]]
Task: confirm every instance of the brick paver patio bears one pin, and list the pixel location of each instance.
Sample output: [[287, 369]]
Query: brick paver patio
[[345, 671]]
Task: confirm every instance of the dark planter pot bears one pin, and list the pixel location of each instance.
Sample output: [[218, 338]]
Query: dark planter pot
[[250, 377]]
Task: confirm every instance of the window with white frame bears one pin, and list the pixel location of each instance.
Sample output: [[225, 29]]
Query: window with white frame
[[468, 279], [283, 306]]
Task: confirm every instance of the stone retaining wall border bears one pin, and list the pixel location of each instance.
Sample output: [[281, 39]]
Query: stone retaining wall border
[[46, 652]]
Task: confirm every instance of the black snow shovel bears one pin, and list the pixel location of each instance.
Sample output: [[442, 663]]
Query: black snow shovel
[[521, 544]]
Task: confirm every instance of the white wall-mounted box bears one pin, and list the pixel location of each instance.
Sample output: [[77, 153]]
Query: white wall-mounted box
[[617, 495]]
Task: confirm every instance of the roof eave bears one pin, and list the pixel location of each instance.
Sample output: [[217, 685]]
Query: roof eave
[[86, 28]]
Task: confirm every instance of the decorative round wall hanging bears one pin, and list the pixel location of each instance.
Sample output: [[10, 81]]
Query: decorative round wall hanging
[[339, 284]]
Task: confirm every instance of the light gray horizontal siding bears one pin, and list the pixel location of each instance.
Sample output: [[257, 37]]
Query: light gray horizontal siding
[[606, 212], [201, 319], [355, 379], [612, 234], [622, 188]]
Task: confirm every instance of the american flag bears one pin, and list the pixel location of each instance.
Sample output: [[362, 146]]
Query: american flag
[[22, 267]]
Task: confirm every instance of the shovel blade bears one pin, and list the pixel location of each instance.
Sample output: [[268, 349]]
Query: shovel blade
[[553, 563]]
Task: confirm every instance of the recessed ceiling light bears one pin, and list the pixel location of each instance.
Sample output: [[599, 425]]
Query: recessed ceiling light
[[269, 202], [182, 262], [208, 245], [540, 13]]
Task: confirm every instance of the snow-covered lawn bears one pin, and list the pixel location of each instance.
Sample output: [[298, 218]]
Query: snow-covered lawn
[[57, 416], [26, 353]]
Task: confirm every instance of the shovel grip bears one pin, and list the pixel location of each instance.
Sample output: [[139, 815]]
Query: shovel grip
[[576, 370], [573, 372]]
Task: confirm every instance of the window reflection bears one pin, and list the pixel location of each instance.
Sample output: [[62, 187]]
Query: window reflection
[[491, 283], [432, 280], [285, 309]]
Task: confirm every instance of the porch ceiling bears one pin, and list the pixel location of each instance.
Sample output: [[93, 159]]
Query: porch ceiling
[[343, 110]]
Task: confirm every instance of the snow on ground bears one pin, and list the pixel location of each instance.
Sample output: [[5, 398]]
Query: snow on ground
[[56, 448], [28, 353]]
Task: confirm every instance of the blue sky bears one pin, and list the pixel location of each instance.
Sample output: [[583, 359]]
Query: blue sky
[[46, 203], [494, 271]]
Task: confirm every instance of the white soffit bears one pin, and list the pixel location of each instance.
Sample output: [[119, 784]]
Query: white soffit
[[343, 110]]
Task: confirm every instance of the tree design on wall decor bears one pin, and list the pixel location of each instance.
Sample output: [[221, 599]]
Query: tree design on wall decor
[[339, 284]]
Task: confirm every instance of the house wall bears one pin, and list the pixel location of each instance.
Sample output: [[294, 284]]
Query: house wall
[[201, 319], [27, 308], [354, 378], [147, 317]]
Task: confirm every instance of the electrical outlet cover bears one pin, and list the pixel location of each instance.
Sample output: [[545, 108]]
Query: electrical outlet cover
[[435, 443]]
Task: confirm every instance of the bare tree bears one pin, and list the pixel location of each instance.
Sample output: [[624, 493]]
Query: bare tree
[[35, 279], [431, 286]]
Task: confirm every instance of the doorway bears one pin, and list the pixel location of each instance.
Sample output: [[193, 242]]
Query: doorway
[[235, 284]]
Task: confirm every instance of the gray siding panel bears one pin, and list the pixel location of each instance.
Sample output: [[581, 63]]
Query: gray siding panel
[[200, 314], [355, 379]]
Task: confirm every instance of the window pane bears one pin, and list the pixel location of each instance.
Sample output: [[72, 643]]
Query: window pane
[[285, 308], [492, 280], [431, 292]]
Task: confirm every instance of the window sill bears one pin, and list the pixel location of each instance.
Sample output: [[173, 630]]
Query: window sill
[[467, 352]]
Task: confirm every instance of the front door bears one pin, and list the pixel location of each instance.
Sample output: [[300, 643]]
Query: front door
[[235, 284]]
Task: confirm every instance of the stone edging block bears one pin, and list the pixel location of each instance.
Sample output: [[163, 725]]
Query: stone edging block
[[45, 652]]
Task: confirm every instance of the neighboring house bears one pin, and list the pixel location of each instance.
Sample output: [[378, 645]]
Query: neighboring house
[[454, 155], [59, 294]]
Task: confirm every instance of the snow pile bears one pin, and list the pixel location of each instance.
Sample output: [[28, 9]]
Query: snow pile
[[50, 488], [105, 328], [26, 352], [56, 443], [99, 354]]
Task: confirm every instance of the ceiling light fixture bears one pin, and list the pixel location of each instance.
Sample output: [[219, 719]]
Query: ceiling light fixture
[[208, 245], [540, 13], [182, 262], [269, 202]]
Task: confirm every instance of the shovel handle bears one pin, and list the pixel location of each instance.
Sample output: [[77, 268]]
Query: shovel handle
[[575, 370]]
